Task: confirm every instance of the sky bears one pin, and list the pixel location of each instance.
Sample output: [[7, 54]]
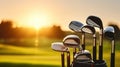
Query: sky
[[40, 13]]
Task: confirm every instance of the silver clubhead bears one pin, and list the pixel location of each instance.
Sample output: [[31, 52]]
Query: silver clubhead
[[109, 32], [58, 46], [88, 29], [71, 41], [75, 26]]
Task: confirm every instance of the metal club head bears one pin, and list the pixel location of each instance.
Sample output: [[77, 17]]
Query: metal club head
[[94, 21], [88, 29], [75, 26], [109, 32], [71, 41], [58, 46]]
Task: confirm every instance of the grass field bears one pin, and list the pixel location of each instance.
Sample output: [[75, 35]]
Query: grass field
[[42, 55]]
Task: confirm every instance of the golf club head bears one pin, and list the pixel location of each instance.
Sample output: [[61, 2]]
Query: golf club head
[[58, 46], [94, 21], [71, 41], [75, 26], [88, 29], [109, 32]]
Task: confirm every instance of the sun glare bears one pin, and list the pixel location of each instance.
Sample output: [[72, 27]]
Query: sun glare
[[38, 20]]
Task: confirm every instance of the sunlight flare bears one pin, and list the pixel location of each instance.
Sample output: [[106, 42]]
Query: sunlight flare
[[38, 20]]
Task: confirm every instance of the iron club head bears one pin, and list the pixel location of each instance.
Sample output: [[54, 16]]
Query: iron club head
[[75, 26], [71, 41], [109, 32], [88, 29], [94, 21], [58, 46]]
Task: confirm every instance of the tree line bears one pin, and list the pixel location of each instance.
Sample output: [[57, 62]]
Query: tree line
[[7, 31]]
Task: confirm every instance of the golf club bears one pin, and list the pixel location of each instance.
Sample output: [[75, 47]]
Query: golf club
[[76, 27], [96, 22], [58, 46], [72, 41], [91, 30], [109, 33]]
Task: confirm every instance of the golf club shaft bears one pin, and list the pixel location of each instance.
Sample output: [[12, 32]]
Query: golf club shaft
[[101, 45], [63, 59], [94, 48], [74, 52], [113, 54], [68, 59], [83, 40]]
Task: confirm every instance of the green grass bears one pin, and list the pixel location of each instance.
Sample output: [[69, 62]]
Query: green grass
[[36, 56], [42, 55], [24, 65]]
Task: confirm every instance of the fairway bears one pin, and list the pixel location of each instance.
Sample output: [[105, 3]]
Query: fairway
[[30, 60], [42, 55]]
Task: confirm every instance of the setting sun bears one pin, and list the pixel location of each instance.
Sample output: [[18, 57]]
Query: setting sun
[[38, 20]]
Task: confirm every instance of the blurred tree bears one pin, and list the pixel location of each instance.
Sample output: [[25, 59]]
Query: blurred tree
[[7, 31], [6, 24], [20, 32], [53, 32], [6, 27], [56, 32]]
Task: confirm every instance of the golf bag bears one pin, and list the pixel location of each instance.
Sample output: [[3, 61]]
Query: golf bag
[[83, 59]]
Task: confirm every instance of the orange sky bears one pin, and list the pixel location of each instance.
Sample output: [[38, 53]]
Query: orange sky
[[61, 12]]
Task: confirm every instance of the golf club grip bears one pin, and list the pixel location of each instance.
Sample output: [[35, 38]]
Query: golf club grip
[[101, 53], [94, 53], [112, 64], [63, 59], [68, 59]]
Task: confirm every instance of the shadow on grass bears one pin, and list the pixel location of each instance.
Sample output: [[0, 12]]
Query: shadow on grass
[[6, 64]]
